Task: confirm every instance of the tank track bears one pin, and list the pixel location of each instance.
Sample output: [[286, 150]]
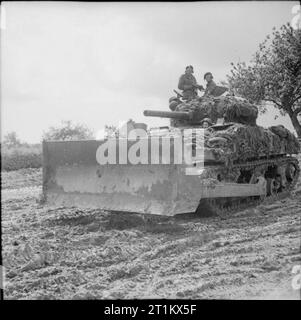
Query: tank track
[[227, 206]]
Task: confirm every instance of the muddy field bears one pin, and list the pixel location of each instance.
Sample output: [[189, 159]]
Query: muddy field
[[74, 254]]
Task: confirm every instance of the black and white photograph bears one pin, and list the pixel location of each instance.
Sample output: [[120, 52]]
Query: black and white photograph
[[150, 151]]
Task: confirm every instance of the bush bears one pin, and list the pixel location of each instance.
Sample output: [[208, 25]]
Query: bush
[[16, 155], [19, 157], [68, 131], [11, 140]]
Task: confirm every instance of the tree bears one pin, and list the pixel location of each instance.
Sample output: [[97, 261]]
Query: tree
[[111, 131], [68, 131], [11, 140], [274, 74]]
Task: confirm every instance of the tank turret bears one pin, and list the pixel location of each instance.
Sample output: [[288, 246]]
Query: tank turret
[[232, 135], [192, 113]]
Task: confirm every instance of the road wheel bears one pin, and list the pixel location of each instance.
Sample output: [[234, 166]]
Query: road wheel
[[272, 187], [290, 172]]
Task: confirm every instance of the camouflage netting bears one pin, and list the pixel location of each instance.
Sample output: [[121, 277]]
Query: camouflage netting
[[240, 139], [239, 142], [292, 142], [232, 109]]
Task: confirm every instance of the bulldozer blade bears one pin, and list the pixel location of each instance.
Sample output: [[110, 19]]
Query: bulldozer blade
[[73, 177]]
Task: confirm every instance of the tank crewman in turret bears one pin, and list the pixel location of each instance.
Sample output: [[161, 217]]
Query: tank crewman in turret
[[206, 123], [211, 85], [188, 84]]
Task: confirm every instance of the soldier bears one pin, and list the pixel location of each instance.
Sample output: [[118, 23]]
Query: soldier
[[188, 84], [206, 123], [210, 87]]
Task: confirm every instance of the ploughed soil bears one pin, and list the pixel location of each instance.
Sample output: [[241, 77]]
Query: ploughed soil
[[60, 253]]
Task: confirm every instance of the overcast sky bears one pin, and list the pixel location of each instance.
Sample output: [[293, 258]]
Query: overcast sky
[[101, 63]]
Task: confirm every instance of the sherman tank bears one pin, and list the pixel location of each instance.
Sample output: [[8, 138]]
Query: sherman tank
[[211, 158], [242, 162]]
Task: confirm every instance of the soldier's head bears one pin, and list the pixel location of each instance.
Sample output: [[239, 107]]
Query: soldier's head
[[206, 123], [189, 69], [208, 76]]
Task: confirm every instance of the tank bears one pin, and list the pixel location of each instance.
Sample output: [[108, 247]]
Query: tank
[[237, 152], [230, 162]]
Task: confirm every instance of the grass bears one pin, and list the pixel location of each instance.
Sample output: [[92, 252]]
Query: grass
[[20, 157]]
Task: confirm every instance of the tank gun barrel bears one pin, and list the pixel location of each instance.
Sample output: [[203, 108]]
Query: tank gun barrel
[[168, 114]]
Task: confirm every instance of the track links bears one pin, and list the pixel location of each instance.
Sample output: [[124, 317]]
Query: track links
[[224, 207]]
